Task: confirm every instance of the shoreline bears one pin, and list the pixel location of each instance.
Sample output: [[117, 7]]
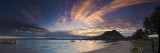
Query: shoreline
[[115, 47]]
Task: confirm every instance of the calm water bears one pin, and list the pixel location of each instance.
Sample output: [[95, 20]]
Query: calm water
[[51, 46]]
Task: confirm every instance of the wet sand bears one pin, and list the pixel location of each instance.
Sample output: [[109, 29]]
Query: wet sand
[[116, 47]]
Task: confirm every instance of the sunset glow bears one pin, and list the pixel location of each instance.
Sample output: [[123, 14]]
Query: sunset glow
[[79, 26], [86, 15], [80, 17]]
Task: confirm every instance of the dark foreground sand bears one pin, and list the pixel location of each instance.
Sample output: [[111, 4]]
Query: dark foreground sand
[[117, 47]]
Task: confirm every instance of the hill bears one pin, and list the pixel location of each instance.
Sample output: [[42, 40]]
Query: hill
[[109, 35]]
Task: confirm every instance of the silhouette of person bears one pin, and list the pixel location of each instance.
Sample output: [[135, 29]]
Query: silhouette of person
[[152, 40]]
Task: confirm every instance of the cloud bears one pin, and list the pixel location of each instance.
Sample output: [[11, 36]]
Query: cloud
[[27, 14], [30, 10], [63, 34], [120, 22], [97, 30], [85, 17], [35, 10], [88, 12]]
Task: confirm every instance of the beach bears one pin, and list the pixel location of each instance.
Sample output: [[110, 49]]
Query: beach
[[115, 47]]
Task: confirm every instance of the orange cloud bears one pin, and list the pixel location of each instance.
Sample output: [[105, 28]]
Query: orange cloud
[[88, 13], [31, 10], [27, 14]]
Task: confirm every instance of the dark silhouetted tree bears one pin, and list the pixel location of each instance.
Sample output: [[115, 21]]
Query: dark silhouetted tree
[[154, 26], [139, 34], [146, 25], [151, 24], [155, 20]]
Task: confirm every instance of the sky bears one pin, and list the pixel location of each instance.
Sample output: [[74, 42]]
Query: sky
[[81, 17]]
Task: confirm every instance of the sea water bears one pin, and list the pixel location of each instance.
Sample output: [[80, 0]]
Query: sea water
[[51, 46]]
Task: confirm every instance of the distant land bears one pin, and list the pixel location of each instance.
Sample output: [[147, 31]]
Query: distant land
[[109, 35]]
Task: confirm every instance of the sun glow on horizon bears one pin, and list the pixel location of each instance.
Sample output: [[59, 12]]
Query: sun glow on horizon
[[8, 37], [85, 16]]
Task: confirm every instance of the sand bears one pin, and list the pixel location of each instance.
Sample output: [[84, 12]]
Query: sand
[[116, 47]]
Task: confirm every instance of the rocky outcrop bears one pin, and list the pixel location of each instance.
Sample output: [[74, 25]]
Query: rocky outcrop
[[109, 35]]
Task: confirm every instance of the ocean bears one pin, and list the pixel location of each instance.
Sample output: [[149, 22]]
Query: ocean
[[51, 46]]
